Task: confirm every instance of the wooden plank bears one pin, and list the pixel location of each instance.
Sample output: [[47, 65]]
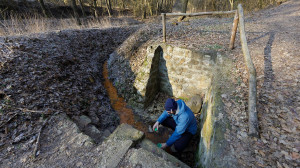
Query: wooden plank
[[201, 13], [253, 121], [234, 30], [164, 26]]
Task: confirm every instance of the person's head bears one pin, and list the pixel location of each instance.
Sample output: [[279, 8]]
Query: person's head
[[171, 106]]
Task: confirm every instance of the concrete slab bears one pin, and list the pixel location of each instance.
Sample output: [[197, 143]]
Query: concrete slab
[[151, 147]]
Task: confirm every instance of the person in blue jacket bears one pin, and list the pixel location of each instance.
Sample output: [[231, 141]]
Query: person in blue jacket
[[179, 117]]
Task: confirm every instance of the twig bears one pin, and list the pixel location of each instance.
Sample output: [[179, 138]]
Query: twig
[[7, 46], [8, 120], [31, 111], [37, 144]]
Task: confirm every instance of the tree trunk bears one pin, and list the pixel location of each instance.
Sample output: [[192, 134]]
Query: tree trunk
[[184, 6], [123, 5], [252, 111], [260, 3], [82, 8], [74, 7], [43, 8], [231, 4], [108, 6], [144, 6], [150, 8], [95, 9], [157, 7], [183, 10]]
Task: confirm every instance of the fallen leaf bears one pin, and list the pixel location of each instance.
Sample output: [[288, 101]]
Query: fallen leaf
[[295, 155]]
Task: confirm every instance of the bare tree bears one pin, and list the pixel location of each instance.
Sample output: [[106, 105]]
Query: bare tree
[[108, 6], [184, 6], [82, 8], [95, 8], [43, 8], [183, 9], [74, 7], [231, 4]]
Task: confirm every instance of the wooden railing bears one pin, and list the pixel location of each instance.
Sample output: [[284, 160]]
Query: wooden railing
[[238, 19], [189, 15], [252, 112]]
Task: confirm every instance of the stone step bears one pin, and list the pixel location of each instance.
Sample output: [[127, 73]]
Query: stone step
[[151, 147], [127, 147]]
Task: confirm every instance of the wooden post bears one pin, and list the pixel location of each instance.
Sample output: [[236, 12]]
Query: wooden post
[[164, 26], [234, 30], [253, 121]]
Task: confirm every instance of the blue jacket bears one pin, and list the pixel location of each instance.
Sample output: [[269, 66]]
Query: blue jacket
[[185, 121]]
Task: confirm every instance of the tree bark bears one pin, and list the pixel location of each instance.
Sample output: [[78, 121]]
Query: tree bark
[[184, 6], [95, 9], [74, 7], [252, 112], [82, 8], [150, 8], [108, 6], [231, 4], [183, 10], [43, 8]]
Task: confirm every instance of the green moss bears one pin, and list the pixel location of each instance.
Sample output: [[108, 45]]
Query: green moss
[[145, 63], [184, 98], [215, 47]]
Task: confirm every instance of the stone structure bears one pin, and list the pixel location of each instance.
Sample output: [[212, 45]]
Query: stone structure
[[127, 147], [188, 75], [179, 72]]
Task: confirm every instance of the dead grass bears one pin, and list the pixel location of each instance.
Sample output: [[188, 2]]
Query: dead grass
[[29, 24]]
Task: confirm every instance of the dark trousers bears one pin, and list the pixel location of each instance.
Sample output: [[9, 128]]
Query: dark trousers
[[185, 138]]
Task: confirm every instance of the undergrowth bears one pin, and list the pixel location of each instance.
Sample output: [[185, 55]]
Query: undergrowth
[[23, 24]]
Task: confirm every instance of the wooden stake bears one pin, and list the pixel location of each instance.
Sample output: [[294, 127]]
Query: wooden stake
[[164, 26], [253, 121], [234, 30]]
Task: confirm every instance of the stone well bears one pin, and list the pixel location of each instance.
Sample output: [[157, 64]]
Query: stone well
[[176, 71], [182, 73]]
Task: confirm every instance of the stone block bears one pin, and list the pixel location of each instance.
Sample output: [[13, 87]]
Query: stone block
[[182, 61], [151, 147], [169, 49], [167, 57], [84, 120], [114, 152], [127, 132], [146, 159], [195, 103]]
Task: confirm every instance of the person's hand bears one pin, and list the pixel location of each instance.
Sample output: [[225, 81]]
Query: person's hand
[[155, 126], [164, 146]]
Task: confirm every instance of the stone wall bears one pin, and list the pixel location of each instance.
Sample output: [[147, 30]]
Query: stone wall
[[185, 74], [182, 73], [214, 150]]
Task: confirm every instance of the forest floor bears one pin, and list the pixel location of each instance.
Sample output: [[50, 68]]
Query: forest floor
[[53, 72], [274, 40]]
